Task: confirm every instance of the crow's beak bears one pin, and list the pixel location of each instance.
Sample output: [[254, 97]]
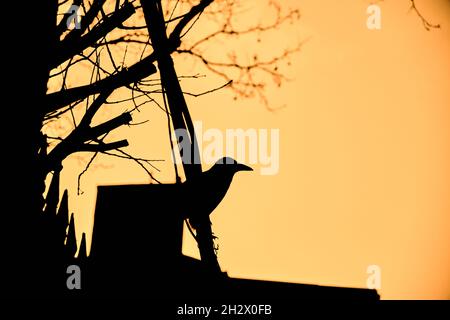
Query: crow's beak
[[242, 167]]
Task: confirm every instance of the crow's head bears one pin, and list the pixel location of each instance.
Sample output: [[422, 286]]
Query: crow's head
[[230, 166]]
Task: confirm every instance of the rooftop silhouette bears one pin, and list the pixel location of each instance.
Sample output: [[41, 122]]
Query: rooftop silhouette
[[137, 249]]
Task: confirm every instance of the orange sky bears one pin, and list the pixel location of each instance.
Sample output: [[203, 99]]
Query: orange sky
[[364, 154]]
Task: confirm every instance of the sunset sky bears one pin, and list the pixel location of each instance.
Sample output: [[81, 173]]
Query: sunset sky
[[364, 175]]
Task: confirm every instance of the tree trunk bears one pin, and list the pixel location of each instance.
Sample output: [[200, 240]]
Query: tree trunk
[[181, 118], [31, 45]]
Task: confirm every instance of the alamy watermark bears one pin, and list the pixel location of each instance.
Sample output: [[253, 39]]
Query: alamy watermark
[[73, 18], [374, 19], [250, 146], [74, 279], [374, 279]]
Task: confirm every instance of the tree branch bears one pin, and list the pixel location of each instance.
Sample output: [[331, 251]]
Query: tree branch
[[101, 147], [75, 141], [175, 36], [108, 126], [426, 24], [90, 113], [138, 71], [72, 46]]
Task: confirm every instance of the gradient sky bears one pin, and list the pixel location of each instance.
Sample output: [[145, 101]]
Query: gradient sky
[[364, 154]]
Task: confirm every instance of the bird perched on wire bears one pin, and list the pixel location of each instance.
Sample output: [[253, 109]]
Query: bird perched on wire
[[205, 192]]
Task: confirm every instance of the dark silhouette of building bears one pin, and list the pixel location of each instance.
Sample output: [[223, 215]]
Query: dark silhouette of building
[[137, 252]]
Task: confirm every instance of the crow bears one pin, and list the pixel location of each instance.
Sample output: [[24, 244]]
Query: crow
[[205, 192]]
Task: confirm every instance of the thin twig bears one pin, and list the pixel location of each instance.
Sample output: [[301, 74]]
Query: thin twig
[[426, 24]]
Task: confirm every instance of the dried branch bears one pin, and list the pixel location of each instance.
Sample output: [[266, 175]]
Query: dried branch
[[79, 192], [196, 95], [138, 71], [72, 46], [245, 78], [95, 106], [426, 24], [108, 126], [125, 155], [248, 78], [246, 85], [75, 141], [175, 36], [102, 147]]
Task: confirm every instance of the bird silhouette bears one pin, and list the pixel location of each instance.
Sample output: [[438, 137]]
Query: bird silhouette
[[205, 192]]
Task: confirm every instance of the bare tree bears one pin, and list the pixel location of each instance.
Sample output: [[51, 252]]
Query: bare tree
[[121, 42]]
